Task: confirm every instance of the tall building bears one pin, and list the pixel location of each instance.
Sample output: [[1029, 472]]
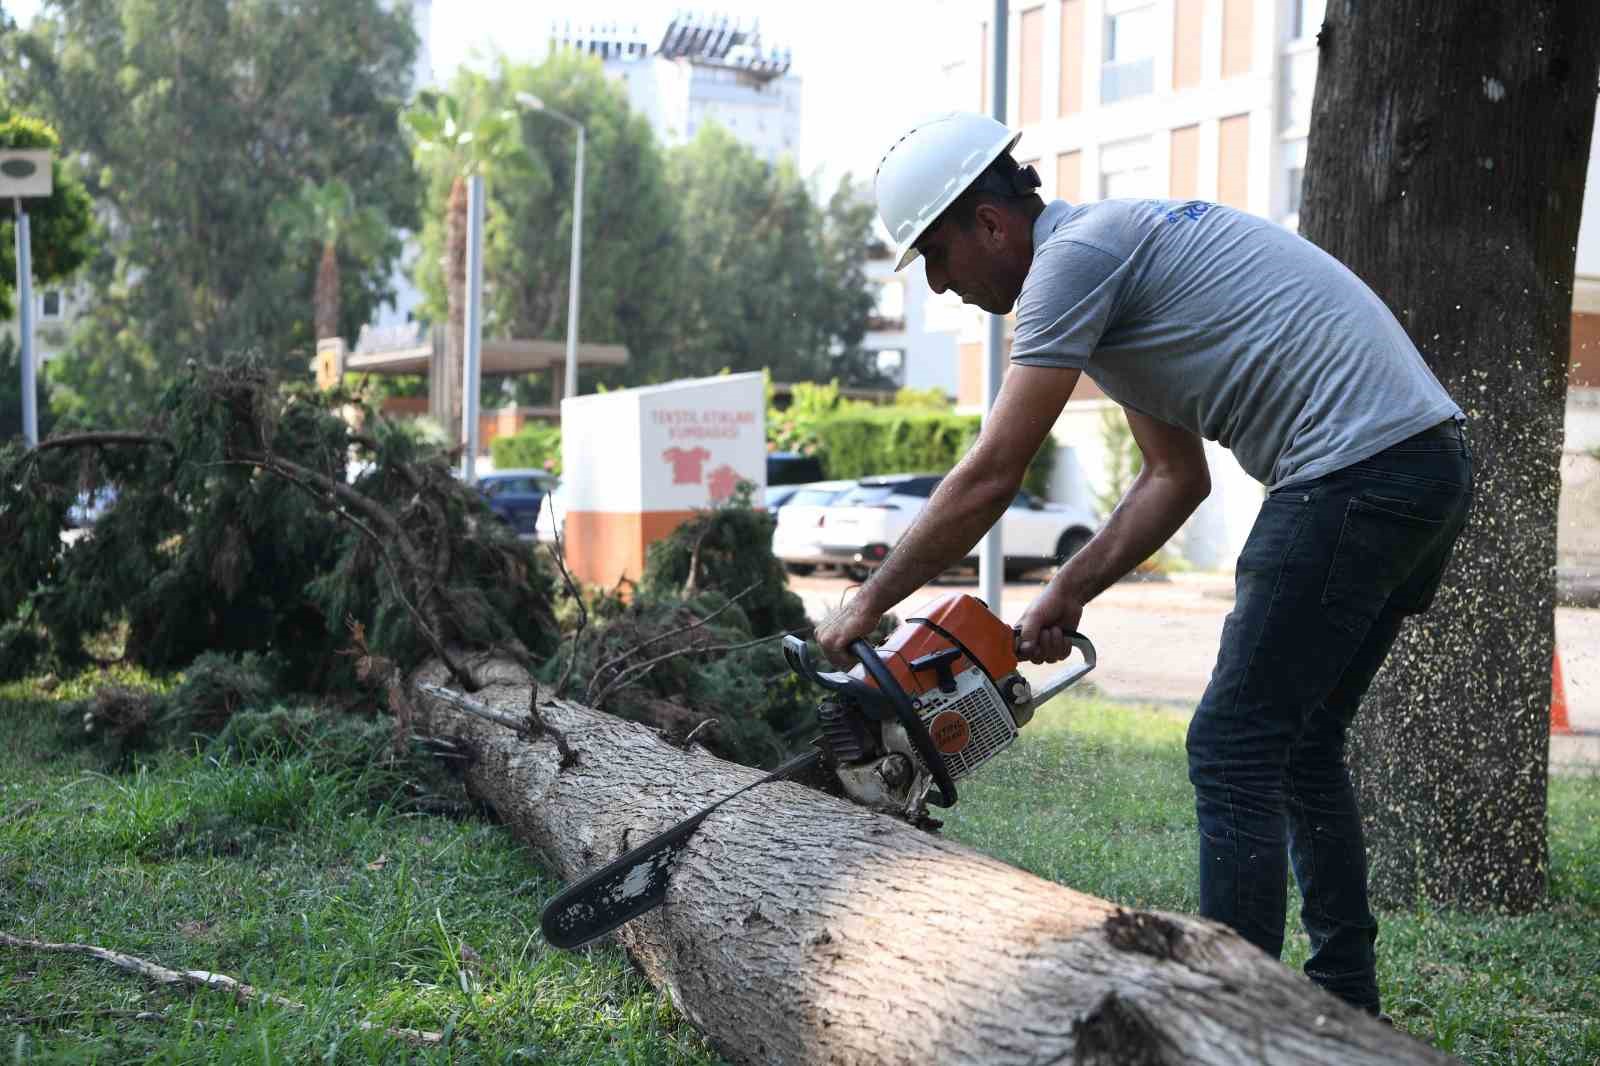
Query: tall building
[[700, 69], [1203, 99]]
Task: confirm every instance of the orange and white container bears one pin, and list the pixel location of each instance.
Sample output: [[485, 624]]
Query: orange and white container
[[636, 463]]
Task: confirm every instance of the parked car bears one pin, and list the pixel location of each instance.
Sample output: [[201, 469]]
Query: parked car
[[552, 516], [89, 505], [517, 496], [797, 537], [778, 495], [792, 468], [860, 527]]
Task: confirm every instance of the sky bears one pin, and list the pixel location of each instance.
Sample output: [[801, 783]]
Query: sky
[[866, 66]]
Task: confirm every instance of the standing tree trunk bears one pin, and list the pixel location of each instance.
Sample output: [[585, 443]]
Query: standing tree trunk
[[801, 930], [326, 312], [1449, 141], [455, 284]]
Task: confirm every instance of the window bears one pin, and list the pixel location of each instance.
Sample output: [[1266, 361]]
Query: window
[[1031, 74], [1299, 81], [1129, 66], [50, 304], [1069, 176], [1238, 36], [1072, 46], [814, 497], [1305, 18], [1297, 181], [1126, 170], [1294, 176], [889, 307]]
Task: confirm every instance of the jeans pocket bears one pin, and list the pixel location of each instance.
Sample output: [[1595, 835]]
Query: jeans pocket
[[1383, 540]]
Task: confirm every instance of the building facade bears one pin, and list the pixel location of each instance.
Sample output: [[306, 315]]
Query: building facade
[[1209, 100], [700, 69]]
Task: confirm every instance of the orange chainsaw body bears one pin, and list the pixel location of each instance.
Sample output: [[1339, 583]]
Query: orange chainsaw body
[[964, 617]]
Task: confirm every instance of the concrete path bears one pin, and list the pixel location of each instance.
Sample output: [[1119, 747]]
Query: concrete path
[[1157, 641]]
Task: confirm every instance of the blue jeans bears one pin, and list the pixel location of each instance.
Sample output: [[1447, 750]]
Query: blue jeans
[[1330, 569]]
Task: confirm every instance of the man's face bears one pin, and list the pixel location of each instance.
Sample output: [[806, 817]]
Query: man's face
[[983, 263]]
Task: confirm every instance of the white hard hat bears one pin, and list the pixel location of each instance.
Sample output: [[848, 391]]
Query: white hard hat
[[929, 167]]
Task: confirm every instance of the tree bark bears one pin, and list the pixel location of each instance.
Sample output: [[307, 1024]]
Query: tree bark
[[326, 310], [1449, 141], [801, 929], [455, 334]]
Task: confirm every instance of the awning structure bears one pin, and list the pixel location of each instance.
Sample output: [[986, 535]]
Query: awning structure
[[499, 357], [410, 348]]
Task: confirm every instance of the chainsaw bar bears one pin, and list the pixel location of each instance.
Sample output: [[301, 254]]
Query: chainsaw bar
[[622, 890]]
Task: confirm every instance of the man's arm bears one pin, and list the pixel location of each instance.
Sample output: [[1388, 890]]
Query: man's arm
[[969, 500], [1172, 483]]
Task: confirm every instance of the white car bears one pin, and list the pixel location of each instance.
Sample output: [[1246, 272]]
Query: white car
[[552, 516], [861, 526], [796, 539]]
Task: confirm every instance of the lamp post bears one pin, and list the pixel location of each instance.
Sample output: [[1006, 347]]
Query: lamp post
[[26, 173], [991, 552], [533, 103]]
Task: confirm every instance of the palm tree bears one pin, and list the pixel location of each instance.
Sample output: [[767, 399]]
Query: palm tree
[[327, 214], [441, 137]]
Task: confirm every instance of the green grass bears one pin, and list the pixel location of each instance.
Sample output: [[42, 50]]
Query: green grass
[[1097, 796], [289, 877], [314, 883]]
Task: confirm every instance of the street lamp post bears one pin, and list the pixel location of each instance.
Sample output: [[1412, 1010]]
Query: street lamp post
[[26, 173], [534, 103]]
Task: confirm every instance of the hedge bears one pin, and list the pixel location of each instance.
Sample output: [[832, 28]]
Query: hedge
[[854, 444], [535, 446], [893, 440]]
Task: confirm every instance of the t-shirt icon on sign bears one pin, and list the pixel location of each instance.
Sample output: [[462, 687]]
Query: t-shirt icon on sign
[[724, 479], [686, 464]]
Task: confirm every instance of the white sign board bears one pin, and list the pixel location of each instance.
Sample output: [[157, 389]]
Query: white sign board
[[24, 172], [672, 447]]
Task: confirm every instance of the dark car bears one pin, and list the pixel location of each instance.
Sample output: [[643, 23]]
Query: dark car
[[515, 496], [792, 468]]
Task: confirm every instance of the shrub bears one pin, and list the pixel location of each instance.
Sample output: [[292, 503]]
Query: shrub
[[712, 663], [899, 440], [536, 445]]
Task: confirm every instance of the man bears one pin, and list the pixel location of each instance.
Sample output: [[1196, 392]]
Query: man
[[1203, 322]]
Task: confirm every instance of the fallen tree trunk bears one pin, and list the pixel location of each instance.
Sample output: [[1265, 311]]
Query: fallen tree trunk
[[801, 929]]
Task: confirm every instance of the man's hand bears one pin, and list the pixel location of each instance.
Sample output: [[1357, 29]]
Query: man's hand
[[845, 626], [1047, 623]]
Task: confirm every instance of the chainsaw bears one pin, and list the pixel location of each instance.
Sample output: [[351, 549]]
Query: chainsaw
[[938, 699]]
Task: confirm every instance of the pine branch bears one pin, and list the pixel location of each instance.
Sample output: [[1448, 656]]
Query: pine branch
[[98, 437], [696, 624]]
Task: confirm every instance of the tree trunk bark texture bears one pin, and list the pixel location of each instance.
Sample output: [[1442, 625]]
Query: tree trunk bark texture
[[801, 929], [1449, 143], [327, 299], [455, 334]]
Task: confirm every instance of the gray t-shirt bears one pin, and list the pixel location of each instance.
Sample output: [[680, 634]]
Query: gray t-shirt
[[1227, 325]]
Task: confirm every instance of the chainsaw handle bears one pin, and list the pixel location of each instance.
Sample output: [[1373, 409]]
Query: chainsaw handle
[[915, 730], [798, 654]]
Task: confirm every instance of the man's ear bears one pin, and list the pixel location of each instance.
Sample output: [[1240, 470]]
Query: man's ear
[[991, 224]]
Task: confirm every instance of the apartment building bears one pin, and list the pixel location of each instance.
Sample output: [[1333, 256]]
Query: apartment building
[[699, 69], [1201, 99]]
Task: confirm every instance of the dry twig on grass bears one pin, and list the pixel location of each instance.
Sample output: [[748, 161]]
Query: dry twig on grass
[[202, 979]]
